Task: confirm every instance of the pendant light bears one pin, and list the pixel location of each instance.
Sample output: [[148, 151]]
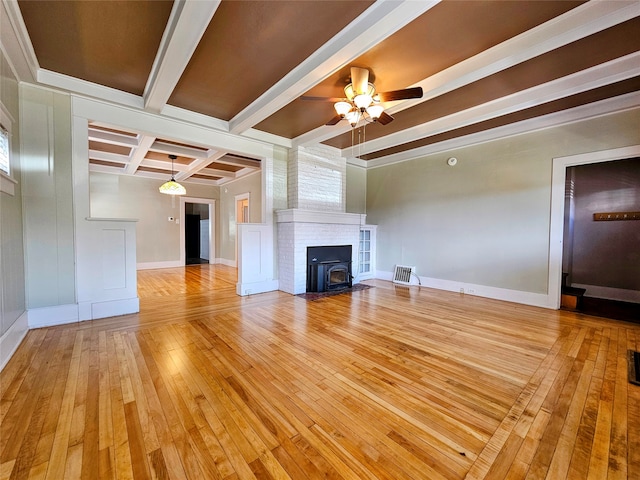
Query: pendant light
[[172, 187]]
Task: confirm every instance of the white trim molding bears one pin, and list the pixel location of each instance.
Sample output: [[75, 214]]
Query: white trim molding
[[12, 338], [496, 293], [51, 316], [556, 228], [157, 265]]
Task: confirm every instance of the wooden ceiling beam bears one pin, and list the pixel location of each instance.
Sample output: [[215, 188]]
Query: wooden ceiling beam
[[578, 23], [139, 154], [180, 150], [198, 165], [378, 22], [186, 25]]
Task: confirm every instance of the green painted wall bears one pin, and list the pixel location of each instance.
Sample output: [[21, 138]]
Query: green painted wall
[[12, 275], [124, 196], [356, 201], [47, 195], [251, 184], [486, 220]]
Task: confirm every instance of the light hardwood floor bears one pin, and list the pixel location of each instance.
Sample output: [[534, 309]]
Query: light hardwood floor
[[386, 383]]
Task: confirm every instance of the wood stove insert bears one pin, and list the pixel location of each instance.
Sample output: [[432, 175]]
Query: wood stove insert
[[329, 268]]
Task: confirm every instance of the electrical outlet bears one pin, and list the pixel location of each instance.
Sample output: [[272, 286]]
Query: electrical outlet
[[462, 290]]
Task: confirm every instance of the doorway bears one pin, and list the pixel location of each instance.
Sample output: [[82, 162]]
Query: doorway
[[196, 231], [242, 214], [569, 239], [242, 208], [197, 235]]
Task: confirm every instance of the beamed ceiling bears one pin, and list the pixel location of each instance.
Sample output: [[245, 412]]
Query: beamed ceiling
[[242, 66]]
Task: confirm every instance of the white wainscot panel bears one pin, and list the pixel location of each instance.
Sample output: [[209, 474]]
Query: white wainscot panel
[[107, 283], [255, 259]]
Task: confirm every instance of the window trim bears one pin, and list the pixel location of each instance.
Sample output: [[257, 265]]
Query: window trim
[[7, 181]]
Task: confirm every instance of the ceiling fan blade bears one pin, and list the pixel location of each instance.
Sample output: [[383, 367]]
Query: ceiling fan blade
[[321, 99], [359, 79], [384, 118], [405, 94], [334, 120]]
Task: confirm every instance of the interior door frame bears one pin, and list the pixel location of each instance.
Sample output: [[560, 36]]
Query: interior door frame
[[556, 230], [212, 227], [241, 196]]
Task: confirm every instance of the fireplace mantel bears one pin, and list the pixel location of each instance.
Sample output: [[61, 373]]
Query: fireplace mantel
[[301, 228], [295, 215]]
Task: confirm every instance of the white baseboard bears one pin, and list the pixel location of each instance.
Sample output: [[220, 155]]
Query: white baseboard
[[245, 289], [50, 316], [115, 308], [12, 338], [228, 263], [72, 313], [505, 294], [155, 265], [610, 293]]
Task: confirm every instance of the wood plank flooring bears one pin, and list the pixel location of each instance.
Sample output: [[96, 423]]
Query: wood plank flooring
[[391, 383]]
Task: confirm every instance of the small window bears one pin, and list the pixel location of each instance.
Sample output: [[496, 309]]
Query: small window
[[5, 163], [7, 183]]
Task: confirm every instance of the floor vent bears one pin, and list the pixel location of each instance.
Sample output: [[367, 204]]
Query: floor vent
[[402, 274], [634, 367]]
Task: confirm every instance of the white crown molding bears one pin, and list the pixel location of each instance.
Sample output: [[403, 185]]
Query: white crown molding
[[137, 120], [378, 22], [187, 23], [89, 89], [16, 44], [584, 112], [580, 22], [195, 118], [358, 162], [600, 75], [268, 137], [108, 156]]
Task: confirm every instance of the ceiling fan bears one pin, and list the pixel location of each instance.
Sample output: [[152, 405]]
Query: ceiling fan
[[362, 102]]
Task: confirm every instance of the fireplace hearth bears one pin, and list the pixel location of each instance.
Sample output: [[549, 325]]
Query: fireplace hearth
[[329, 268]]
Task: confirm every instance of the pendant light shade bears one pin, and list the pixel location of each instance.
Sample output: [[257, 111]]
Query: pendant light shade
[[172, 187]]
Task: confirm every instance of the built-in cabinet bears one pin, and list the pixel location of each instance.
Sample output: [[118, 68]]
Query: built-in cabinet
[[367, 252]]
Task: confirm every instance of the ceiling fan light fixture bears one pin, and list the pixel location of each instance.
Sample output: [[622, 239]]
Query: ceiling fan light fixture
[[172, 187], [374, 111], [351, 93], [342, 108], [362, 101], [353, 117]]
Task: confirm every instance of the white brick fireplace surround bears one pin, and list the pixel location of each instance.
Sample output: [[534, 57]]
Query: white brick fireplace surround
[[299, 229]]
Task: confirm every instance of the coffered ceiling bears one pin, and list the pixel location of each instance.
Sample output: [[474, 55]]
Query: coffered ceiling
[[241, 67]]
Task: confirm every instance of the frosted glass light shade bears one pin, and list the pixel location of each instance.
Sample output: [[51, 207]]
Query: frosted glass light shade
[[375, 111], [342, 108], [362, 101], [172, 188], [350, 92], [352, 117]]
